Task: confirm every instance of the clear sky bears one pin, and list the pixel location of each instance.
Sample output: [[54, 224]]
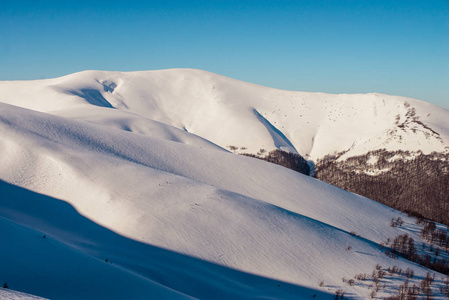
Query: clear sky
[[398, 47]]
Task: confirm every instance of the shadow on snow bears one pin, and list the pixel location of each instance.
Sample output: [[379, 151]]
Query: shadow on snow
[[188, 275]]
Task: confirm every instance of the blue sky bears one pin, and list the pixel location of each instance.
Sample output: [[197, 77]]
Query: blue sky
[[398, 47]]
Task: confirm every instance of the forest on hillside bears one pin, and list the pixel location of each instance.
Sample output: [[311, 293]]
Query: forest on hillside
[[292, 161], [411, 182]]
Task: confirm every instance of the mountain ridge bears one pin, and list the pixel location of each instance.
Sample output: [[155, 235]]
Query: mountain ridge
[[196, 101]]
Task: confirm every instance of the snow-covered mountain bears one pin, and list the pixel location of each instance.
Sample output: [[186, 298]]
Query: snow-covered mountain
[[119, 186], [231, 112]]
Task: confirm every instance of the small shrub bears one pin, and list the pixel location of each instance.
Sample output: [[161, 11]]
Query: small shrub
[[361, 276], [339, 294]]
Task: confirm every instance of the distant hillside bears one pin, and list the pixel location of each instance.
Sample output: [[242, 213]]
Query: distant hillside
[[411, 182]]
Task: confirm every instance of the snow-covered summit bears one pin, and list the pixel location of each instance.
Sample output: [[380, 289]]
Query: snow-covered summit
[[229, 112]]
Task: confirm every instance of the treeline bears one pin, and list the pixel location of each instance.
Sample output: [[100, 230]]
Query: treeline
[[414, 183], [289, 160]]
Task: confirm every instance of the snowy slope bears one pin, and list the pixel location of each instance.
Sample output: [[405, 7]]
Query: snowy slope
[[8, 294], [174, 215], [230, 112]]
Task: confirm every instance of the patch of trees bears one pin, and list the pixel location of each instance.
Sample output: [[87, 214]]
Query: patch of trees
[[433, 235], [403, 245], [431, 255], [415, 183], [289, 160], [409, 289]]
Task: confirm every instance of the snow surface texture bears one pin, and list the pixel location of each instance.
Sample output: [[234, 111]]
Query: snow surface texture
[[116, 186]]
